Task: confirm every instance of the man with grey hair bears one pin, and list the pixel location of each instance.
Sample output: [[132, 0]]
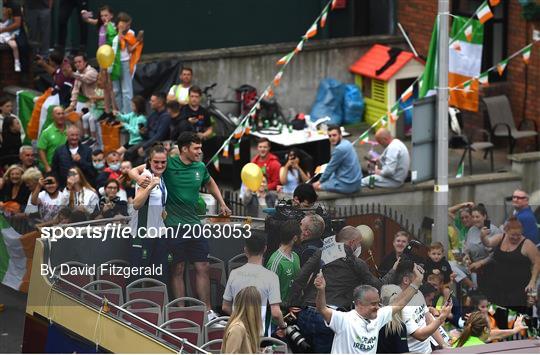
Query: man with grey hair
[[312, 228], [71, 154], [342, 275], [26, 157], [394, 162], [357, 331]]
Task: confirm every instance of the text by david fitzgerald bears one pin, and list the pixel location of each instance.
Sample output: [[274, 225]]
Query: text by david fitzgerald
[[103, 269]]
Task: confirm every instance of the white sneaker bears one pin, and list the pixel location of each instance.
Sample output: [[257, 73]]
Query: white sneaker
[[17, 66], [211, 315]]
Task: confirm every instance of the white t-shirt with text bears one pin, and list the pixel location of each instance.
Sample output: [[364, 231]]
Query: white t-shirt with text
[[414, 317], [355, 334]]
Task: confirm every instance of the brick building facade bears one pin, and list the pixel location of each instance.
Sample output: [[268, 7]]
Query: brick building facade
[[418, 16]]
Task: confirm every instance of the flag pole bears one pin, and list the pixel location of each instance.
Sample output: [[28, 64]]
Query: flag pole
[[441, 183]]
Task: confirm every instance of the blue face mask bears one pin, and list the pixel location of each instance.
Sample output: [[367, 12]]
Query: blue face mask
[[115, 167], [99, 165]]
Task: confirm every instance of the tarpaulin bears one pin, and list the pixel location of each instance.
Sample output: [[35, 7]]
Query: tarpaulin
[[156, 77]]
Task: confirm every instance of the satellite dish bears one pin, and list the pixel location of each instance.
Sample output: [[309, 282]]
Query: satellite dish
[[367, 235]]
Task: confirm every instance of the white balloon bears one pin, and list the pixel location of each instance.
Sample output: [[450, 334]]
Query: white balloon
[[367, 235]]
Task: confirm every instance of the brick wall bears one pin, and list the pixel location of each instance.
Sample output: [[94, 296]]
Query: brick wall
[[418, 16]]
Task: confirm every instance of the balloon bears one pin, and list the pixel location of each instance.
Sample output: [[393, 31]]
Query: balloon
[[252, 176], [367, 235], [105, 56]]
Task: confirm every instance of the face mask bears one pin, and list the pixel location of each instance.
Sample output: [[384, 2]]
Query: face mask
[[99, 165], [115, 167], [358, 251]]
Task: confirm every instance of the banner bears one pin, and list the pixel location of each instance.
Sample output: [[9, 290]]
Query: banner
[[465, 61], [16, 252]]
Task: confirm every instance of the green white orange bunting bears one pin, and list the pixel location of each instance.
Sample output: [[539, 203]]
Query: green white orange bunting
[[484, 13], [502, 66], [526, 54]]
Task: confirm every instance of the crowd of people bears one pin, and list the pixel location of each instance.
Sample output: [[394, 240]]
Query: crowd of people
[[458, 297], [418, 299]]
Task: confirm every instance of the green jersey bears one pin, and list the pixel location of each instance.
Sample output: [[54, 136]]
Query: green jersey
[[183, 183], [286, 268], [50, 139]]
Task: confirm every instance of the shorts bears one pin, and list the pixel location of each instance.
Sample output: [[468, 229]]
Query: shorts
[[127, 146], [188, 249], [148, 252]]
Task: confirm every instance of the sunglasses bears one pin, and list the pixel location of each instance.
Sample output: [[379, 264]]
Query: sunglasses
[[72, 173], [519, 197]]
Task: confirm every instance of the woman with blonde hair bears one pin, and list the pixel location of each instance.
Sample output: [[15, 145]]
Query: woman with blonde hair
[[393, 336], [243, 332], [475, 332], [79, 193], [31, 178], [14, 194]]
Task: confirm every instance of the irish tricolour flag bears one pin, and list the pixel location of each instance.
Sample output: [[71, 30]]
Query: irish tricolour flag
[[16, 252], [466, 62]]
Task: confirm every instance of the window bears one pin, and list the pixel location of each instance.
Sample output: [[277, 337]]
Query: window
[[495, 39]]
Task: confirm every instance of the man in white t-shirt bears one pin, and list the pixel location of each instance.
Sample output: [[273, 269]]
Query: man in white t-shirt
[[180, 92], [255, 274], [357, 331], [421, 325]]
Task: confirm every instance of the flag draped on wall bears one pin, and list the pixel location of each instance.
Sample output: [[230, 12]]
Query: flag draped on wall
[[465, 63], [16, 252]]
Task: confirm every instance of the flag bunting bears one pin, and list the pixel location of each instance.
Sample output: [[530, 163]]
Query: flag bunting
[[324, 16], [484, 13], [268, 92], [226, 149], [527, 53], [237, 151]]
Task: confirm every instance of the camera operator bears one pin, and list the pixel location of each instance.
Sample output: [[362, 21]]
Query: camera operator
[[342, 276], [312, 229], [357, 331], [304, 196], [302, 204], [110, 204]]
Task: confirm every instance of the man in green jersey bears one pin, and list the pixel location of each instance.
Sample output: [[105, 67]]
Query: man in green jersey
[[184, 177], [284, 261], [51, 138]]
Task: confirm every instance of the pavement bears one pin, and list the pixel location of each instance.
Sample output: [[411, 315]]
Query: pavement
[[11, 320]]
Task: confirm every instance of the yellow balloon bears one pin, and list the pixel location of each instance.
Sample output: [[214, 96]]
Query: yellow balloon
[[252, 176], [105, 56]]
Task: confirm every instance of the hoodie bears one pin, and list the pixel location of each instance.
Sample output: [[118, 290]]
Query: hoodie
[[271, 166]]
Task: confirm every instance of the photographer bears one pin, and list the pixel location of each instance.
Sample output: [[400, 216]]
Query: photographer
[[342, 276], [110, 204], [312, 229], [357, 331], [304, 196]]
